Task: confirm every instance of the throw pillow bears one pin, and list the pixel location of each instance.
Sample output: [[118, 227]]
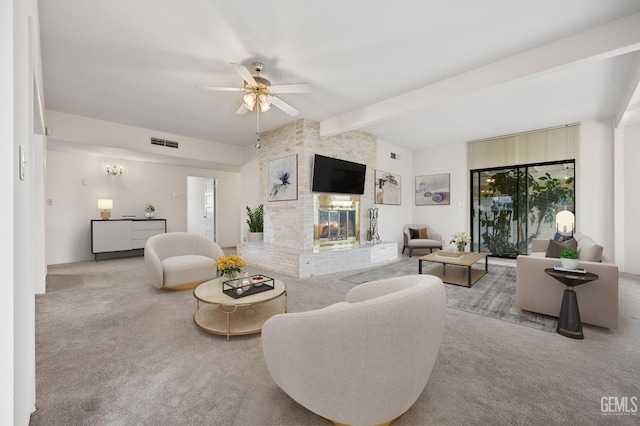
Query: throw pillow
[[590, 251], [422, 232], [413, 234], [555, 247]]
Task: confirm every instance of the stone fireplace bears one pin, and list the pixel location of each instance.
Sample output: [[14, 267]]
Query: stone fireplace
[[316, 233]]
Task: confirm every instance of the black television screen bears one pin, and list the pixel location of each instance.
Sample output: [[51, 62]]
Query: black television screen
[[337, 176]]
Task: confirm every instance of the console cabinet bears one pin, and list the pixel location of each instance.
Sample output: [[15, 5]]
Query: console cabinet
[[123, 235]]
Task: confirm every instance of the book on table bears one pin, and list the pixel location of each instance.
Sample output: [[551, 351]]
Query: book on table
[[562, 268]]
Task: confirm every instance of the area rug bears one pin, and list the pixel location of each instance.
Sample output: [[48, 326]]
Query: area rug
[[493, 296]]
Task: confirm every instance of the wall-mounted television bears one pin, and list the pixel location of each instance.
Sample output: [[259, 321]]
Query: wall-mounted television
[[337, 176]]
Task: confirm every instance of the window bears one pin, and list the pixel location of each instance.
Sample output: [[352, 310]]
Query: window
[[515, 204]]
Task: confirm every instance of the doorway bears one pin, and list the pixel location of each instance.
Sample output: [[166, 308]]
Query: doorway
[[201, 206]]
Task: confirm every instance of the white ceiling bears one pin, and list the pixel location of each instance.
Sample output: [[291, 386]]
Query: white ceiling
[[415, 73]]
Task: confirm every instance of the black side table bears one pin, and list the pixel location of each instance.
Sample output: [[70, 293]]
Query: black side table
[[569, 324]]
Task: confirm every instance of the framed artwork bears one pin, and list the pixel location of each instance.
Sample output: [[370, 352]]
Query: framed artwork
[[283, 178], [388, 187], [432, 190]]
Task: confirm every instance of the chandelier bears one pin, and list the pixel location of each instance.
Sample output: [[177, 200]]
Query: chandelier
[[114, 171]]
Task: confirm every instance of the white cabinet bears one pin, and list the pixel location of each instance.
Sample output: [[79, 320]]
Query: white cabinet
[[143, 229], [108, 236]]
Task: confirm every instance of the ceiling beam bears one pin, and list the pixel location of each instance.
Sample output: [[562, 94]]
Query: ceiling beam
[[630, 99], [602, 42]]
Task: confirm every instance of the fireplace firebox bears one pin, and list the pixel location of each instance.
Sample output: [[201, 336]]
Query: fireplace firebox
[[336, 221]]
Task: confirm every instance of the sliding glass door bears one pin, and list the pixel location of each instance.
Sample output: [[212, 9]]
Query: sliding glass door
[[512, 205]]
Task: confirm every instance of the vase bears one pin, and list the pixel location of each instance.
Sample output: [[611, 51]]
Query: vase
[[569, 263], [254, 236], [149, 215], [461, 247]]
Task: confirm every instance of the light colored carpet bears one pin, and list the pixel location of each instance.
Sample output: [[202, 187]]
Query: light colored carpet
[[112, 350], [494, 295]]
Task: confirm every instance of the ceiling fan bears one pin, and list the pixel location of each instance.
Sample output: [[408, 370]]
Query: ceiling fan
[[260, 91]]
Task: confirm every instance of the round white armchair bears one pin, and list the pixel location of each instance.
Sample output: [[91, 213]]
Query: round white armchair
[[364, 361]]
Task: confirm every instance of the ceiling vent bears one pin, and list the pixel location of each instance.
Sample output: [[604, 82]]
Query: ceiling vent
[[164, 142]]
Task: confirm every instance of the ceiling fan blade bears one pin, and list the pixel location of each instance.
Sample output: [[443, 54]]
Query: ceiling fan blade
[[244, 72], [242, 110], [284, 106], [222, 89], [291, 88]]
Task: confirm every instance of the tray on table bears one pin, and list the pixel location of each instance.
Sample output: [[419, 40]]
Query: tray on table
[[246, 286]]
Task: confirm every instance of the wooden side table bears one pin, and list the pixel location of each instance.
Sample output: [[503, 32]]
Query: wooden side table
[[569, 324]]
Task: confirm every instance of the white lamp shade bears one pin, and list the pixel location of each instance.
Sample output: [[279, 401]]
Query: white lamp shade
[[105, 204], [565, 222]]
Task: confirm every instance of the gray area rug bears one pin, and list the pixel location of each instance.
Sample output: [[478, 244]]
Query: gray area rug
[[493, 296]]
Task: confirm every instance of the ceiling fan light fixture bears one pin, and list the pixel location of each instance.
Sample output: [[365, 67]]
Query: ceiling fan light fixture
[[265, 102], [249, 101]]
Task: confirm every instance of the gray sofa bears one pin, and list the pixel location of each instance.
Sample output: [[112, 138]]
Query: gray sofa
[[538, 292]]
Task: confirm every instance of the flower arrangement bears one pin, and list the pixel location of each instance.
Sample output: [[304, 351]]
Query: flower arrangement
[[460, 239], [149, 208], [230, 265]]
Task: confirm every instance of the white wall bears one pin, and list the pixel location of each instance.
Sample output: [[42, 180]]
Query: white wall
[[631, 200], [71, 128], [452, 218], [20, 66], [7, 177], [392, 218], [75, 204], [250, 184], [594, 184]]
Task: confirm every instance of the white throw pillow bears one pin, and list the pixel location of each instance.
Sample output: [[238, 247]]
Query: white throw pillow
[[588, 250]]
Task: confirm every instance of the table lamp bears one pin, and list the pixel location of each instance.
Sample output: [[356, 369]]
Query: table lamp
[[105, 207], [565, 222]]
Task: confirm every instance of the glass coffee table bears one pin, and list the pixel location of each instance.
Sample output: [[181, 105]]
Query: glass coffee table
[[219, 313], [456, 268]]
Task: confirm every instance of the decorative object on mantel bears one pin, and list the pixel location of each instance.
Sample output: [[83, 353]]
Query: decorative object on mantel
[[149, 210], [460, 239], [569, 258], [105, 207], [283, 178], [230, 266], [432, 190], [372, 233], [388, 187], [256, 223]]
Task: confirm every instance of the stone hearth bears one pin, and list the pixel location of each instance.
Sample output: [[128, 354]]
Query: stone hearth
[[302, 264]]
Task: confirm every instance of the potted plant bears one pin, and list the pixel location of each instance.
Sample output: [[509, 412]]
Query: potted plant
[[255, 221], [149, 210], [569, 258]]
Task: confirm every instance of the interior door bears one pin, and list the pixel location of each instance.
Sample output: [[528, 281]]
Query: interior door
[[209, 209]]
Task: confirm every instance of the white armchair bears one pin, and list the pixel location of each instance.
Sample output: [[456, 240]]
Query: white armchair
[[364, 361], [179, 260], [431, 239]]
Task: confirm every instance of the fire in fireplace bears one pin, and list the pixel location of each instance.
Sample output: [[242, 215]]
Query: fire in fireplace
[[336, 221]]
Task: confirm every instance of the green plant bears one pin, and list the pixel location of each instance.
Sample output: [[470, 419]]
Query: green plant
[[256, 218], [149, 208], [569, 253]]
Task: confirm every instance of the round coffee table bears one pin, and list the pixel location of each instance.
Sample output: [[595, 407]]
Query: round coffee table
[[222, 314]]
